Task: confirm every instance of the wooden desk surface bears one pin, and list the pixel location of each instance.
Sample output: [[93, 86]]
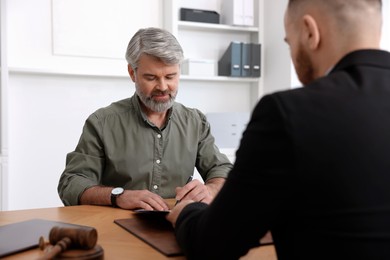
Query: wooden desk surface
[[116, 242]]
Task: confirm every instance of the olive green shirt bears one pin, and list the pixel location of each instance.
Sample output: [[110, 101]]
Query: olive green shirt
[[119, 147]]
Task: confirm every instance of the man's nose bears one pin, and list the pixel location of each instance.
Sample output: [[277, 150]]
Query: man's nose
[[162, 84]]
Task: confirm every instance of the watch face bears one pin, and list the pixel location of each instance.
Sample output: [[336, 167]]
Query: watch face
[[117, 191]]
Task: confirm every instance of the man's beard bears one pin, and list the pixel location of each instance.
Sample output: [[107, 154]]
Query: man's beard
[[304, 67], [153, 105]]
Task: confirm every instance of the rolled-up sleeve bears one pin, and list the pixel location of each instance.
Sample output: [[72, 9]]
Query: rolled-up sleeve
[[84, 166], [210, 163]]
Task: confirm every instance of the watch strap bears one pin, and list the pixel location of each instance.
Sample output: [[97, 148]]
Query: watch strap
[[113, 200]]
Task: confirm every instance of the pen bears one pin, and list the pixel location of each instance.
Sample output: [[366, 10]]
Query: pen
[[189, 179]]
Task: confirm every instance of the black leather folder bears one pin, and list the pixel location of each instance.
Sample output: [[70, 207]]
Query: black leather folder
[[156, 231]]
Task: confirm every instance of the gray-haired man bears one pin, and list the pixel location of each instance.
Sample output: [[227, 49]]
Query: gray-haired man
[[138, 151]]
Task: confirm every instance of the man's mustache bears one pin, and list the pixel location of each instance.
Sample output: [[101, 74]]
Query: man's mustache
[[159, 93]]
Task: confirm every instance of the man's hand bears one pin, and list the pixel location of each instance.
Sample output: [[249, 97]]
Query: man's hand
[[194, 190], [214, 185], [130, 199], [197, 191], [144, 199], [175, 212]]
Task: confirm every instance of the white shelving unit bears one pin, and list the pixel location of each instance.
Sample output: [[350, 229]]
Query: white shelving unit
[[183, 25], [218, 79], [209, 41]]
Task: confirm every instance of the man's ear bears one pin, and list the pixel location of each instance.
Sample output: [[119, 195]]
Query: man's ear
[[131, 72], [311, 32]]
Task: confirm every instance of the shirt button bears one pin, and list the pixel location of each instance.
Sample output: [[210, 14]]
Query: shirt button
[[155, 187], [158, 136], [158, 161]]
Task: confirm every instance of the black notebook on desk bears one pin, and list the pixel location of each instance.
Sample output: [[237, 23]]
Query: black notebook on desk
[[21, 236]]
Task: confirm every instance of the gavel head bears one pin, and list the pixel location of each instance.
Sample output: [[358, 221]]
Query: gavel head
[[82, 237]]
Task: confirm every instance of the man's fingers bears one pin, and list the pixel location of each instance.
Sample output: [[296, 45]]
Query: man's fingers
[[147, 200], [194, 190], [183, 191], [157, 203]]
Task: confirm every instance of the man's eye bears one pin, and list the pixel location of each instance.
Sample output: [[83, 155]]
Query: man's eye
[[150, 78]]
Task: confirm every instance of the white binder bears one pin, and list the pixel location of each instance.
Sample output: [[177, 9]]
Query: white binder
[[238, 12]]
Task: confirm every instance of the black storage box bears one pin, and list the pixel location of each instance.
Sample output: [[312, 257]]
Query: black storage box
[[197, 15]]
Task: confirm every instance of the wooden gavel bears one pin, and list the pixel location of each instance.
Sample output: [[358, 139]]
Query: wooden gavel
[[66, 237]]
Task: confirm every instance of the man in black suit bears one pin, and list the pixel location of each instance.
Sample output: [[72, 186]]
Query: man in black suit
[[313, 166]]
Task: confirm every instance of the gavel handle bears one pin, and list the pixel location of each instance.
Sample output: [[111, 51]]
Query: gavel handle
[[58, 248]]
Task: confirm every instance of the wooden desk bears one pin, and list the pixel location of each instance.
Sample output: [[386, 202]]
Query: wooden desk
[[116, 242]]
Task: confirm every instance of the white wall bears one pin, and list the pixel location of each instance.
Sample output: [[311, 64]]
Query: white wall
[[385, 43], [3, 106], [46, 118], [277, 59], [55, 35]]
